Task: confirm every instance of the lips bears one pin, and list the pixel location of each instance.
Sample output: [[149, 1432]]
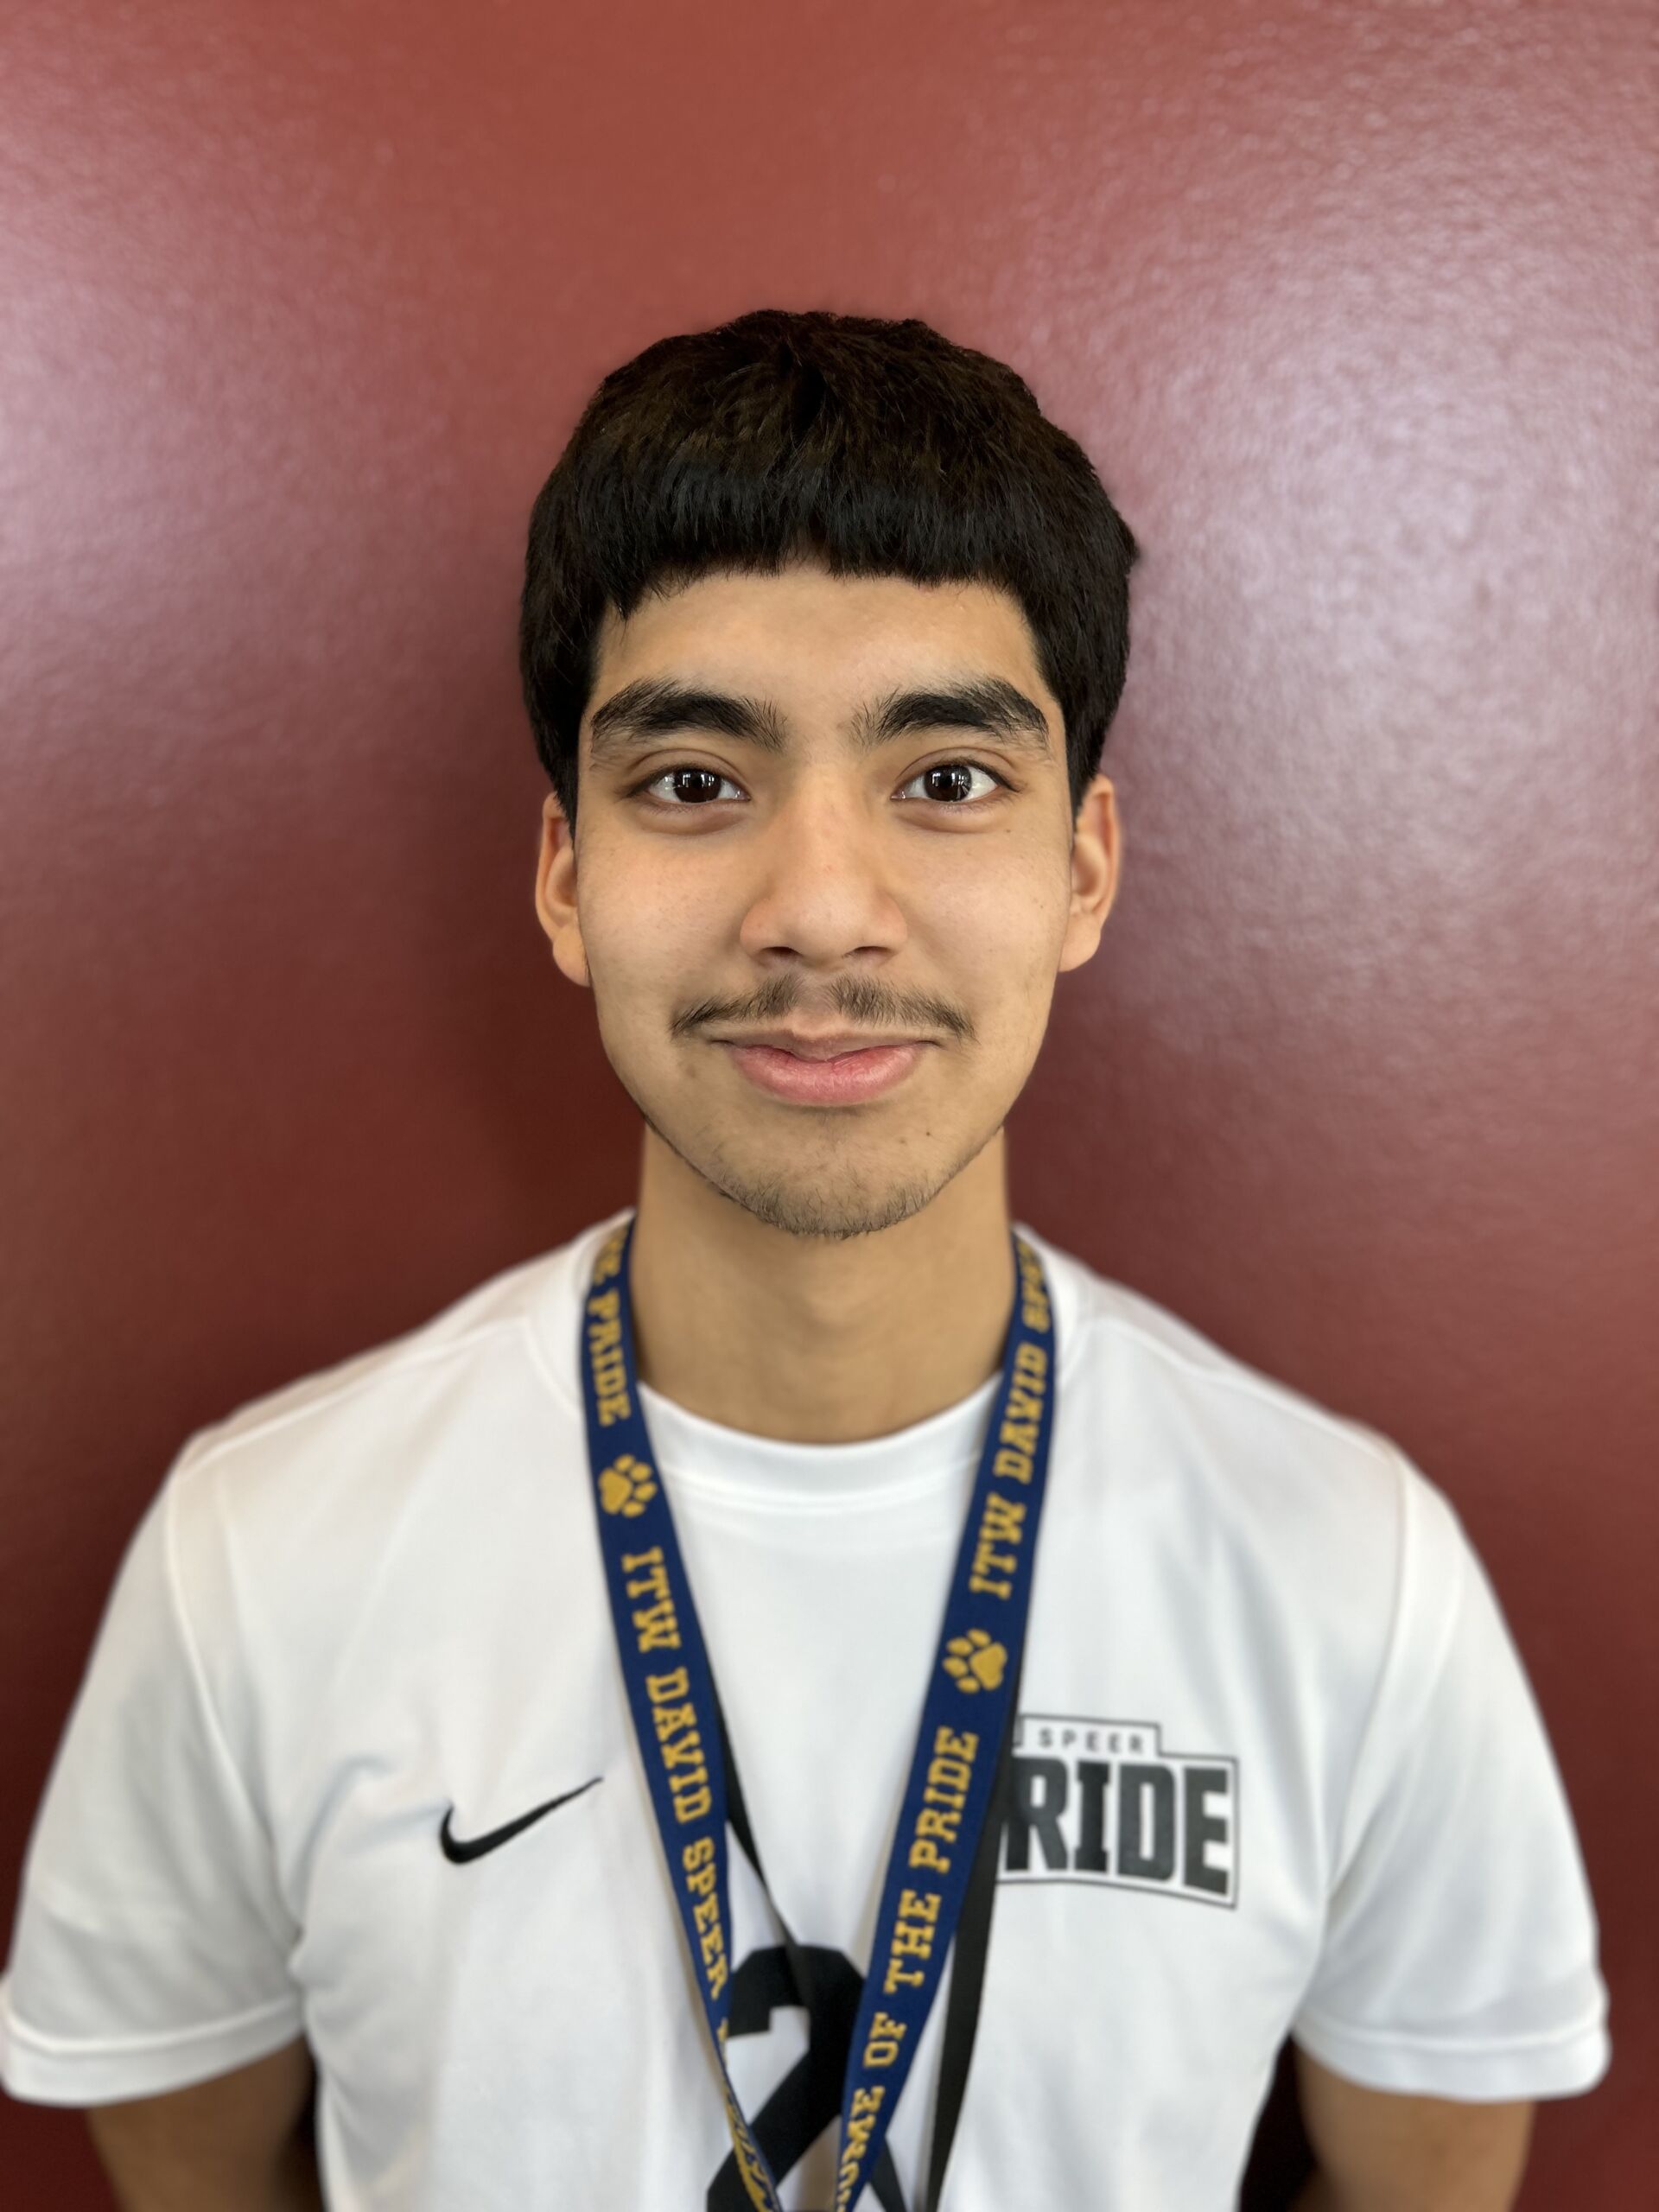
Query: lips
[[847, 1077], [815, 1048]]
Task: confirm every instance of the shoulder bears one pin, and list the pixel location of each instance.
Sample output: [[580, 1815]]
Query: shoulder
[[1159, 1368], [1320, 1504], [343, 1452]]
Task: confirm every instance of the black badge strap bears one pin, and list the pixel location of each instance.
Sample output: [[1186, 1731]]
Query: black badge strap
[[967, 1980], [885, 2183]]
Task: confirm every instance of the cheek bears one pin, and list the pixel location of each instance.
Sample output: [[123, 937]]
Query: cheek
[[1006, 954], [634, 930], [1002, 933]]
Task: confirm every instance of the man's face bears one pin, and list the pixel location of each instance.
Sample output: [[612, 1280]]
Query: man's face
[[785, 863]]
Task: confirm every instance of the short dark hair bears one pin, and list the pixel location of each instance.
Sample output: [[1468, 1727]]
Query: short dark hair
[[873, 448]]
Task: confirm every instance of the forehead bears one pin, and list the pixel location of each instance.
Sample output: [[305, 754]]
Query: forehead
[[804, 627]]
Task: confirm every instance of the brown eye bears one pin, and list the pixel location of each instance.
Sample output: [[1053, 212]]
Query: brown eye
[[691, 785], [950, 782]]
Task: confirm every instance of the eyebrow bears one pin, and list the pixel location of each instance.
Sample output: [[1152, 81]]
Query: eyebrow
[[653, 707]]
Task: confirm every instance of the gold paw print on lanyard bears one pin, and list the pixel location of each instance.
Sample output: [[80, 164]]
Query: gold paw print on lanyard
[[626, 1487], [973, 1663]]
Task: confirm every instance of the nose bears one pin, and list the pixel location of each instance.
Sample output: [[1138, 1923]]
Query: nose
[[825, 883]]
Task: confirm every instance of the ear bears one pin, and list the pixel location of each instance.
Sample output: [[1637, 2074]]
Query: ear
[[556, 893], [1097, 865]]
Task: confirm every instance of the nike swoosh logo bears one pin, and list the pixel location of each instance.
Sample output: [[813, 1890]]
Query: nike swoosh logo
[[454, 1849]]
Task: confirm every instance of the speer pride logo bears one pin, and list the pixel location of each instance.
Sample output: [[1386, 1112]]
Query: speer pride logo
[[626, 1487], [974, 1662]]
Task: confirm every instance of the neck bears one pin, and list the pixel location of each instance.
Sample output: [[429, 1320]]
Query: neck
[[812, 1340]]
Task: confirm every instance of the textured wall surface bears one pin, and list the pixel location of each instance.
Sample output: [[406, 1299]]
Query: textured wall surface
[[1354, 306]]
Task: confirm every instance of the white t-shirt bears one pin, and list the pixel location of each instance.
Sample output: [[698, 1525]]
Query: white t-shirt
[[1279, 1772]]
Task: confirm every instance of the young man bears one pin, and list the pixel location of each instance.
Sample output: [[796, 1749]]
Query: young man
[[642, 1734]]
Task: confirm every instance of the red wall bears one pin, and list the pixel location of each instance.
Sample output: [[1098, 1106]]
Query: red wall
[[1353, 303]]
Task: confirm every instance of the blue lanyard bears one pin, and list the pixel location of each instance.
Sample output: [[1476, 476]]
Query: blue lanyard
[[671, 1695]]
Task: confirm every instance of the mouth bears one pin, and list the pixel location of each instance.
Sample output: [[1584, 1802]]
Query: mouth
[[843, 1077], [826, 1045]]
